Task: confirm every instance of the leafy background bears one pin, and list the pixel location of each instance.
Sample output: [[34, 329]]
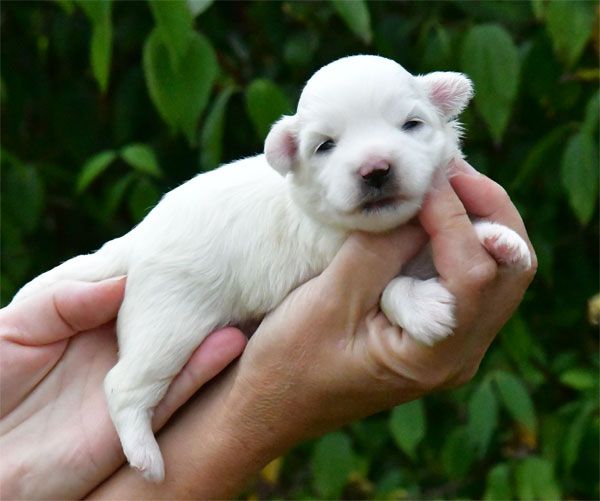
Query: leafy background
[[107, 105]]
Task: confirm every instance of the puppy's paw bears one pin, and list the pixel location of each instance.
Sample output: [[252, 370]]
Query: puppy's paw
[[504, 244], [424, 309], [145, 456]]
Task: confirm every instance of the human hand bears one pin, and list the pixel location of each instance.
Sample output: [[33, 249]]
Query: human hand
[[327, 355], [342, 358], [56, 436]]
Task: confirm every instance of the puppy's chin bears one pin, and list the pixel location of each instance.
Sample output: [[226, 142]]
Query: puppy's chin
[[380, 216]]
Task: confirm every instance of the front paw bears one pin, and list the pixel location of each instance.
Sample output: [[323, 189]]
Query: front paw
[[505, 245], [423, 308]]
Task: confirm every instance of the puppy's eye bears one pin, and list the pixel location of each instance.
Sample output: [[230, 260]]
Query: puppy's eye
[[325, 146], [412, 124]]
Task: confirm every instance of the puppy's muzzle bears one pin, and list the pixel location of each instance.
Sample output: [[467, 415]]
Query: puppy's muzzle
[[375, 174]]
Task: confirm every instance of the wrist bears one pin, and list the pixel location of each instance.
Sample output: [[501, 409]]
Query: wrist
[[221, 440]]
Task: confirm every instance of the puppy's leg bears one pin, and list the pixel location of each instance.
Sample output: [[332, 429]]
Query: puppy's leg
[[159, 326], [504, 244], [423, 308]]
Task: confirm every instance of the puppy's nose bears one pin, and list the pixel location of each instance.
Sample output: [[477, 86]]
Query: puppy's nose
[[375, 174]]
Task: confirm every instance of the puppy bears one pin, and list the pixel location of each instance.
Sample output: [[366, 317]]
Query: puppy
[[227, 246]]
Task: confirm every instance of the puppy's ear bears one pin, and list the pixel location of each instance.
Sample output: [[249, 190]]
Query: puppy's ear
[[450, 92], [281, 145]]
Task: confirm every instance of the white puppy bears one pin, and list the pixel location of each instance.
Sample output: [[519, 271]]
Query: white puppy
[[229, 245]]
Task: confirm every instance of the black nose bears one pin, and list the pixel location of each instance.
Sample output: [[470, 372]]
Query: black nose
[[376, 178]]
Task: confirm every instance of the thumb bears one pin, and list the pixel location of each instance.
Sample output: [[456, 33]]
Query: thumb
[[367, 262], [61, 311]]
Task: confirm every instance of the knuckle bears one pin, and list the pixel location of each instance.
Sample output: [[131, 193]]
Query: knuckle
[[446, 378], [465, 375], [435, 379], [456, 219], [482, 273], [501, 194]]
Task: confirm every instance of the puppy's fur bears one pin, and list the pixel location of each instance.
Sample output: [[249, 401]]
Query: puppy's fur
[[227, 246]]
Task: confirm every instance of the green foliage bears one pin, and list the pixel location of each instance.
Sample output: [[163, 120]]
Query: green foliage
[[579, 172], [95, 166], [483, 417], [332, 462], [265, 103], [356, 15], [180, 92], [174, 24], [516, 399], [491, 59], [570, 25], [408, 425], [99, 13], [107, 105], [211, 141], [141, 158]]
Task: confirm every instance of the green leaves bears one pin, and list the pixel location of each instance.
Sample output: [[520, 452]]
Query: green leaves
[[143, 197], [265, 103], [197, 7], [570, 25], [180, 95], [22, 194], [535, 480], [211, 140], [141, 158], [174, 23], [491, 59], [407, 425], [99, 13], [498, 485], [483, 417], [457, 455], [579, 378], [576, 431], [332, 462], [355, 14], [180, 65], [95, 166], [516, 399], [579, 173]]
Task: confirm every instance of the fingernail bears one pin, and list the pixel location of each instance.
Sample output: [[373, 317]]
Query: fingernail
[[119, 278], [461, 166]]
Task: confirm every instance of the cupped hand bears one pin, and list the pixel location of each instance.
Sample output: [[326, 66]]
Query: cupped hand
[[328, 355], [56, 436]]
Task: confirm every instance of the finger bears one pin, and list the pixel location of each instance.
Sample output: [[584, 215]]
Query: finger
[[366, 263], [216, 352], [459, 257], [485, 198], [61, 311]]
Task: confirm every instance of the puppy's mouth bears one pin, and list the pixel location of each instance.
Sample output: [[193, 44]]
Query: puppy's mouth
[[382, 204]]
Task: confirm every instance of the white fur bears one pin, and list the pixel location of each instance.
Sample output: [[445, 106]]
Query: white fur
[[504, 244], [229, 245]]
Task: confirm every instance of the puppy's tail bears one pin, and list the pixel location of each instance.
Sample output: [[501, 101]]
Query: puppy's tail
[[109, 261]]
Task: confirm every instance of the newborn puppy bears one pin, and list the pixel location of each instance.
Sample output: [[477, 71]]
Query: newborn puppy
[[227, 246]]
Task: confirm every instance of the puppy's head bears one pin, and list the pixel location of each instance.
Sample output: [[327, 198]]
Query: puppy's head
[[362, 148]]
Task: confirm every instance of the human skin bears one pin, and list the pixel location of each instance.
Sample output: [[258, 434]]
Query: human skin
[[327, 355], [56, 437]]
